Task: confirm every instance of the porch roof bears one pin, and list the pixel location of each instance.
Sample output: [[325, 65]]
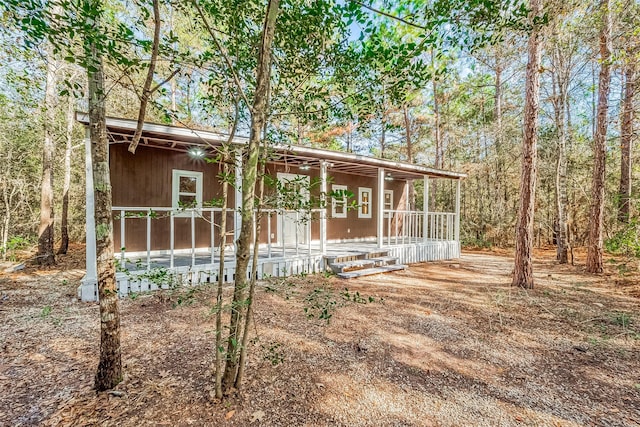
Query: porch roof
[[120, 131]]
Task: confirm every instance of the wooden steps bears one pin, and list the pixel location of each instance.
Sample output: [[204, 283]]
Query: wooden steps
[[351, 265], [369, 271]]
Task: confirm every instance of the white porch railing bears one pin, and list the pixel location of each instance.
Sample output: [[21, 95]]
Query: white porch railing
[[296, 238], [405, 227], [122, 214]]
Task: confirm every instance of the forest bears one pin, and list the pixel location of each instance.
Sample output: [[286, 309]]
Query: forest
[[534, 100]]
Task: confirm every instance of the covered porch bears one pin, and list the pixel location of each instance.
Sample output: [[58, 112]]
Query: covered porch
[[156, 242]]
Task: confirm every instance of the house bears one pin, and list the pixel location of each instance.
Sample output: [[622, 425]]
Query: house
[[164, 229]]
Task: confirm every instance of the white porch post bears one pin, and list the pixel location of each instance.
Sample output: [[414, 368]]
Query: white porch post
[[457, 226], [323, 207], [89, 283], [238, 196], [380, 216], [425, 209]]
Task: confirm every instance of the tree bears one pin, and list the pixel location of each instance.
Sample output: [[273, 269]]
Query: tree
[[596, 213], [109, 372], [66, 186], [523, 271], [259, 111], [626, 140], [46, 230]]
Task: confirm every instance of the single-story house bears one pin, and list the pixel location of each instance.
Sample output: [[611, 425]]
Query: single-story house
[[166, 217]]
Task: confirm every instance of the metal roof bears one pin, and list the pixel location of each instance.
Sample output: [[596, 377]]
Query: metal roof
[[120, 131]]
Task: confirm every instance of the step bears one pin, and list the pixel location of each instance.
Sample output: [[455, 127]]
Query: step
[[337, 259], [377, 254], [370, 271], [358, 264], [384, 260], [353, 256]]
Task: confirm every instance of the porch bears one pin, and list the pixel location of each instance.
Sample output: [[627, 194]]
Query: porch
[[306, 216], [408, 237]]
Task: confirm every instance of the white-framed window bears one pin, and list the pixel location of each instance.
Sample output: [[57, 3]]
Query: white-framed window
[[388, 202], [339, 204], [186, 190], [364, 202]]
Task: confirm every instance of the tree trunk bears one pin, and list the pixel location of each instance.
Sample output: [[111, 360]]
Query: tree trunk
[[109, 372], [560, 87], [254, 269], [227, 157], [407, 128], [626, 139], [383, 136], [523, 271], [45, 231], [147, 90], [249, 178], [64, 220], [222, 245], [596, 215]]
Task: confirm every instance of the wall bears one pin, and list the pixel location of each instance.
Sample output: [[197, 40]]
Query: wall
[[144, 179]]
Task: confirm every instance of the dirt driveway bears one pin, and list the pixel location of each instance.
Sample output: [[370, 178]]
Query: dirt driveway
[[443, 344]]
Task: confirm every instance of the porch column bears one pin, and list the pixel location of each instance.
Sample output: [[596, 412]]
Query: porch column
[[380, 216], [425, 209], [323, 207], [457, 227], [88, 286], [238, 196]]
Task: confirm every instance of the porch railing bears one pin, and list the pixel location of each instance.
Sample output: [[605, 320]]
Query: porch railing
[[404, 226], [275, 246]]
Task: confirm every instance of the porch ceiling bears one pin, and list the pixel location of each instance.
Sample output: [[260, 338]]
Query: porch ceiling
[[120, 131]]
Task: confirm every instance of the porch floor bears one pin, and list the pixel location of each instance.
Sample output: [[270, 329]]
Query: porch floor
[[138, 262]]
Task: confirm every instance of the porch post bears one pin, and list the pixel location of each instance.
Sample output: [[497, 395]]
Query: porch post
[[425, 209], [457, 227], [238, 196], [380, 216], [323, 207], [89, 283]]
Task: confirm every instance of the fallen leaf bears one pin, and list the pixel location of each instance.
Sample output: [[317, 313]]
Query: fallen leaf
[[229, 414], [257, 416]]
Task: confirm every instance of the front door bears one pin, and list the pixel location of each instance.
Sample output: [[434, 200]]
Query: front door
[[293, 198]]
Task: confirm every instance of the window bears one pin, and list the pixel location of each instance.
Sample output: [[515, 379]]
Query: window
[[388, 202], [364, 202], [339, 204], [186, 190]]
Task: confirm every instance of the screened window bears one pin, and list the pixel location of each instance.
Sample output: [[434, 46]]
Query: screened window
[[339, 201], [388, 201], [364, 202], [186, 189]]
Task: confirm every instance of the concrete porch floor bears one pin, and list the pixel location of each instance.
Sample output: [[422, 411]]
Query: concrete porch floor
[[138, 261]]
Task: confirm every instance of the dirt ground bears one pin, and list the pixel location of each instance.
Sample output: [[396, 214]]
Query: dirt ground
[[440, 344]]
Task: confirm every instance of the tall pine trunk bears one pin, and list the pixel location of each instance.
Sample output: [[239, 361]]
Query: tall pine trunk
[[560, 87], [409, 141], [109, 372], [64, 219], [249, 178], [523, 271], [596, 215], [626, 139], [45, 230]]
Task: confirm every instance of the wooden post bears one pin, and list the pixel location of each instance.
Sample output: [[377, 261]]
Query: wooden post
[[88, 288], [172, 238], [425, 209], [149, 239], [323, 207], [380, 216], [457, 226], [122, 233]]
